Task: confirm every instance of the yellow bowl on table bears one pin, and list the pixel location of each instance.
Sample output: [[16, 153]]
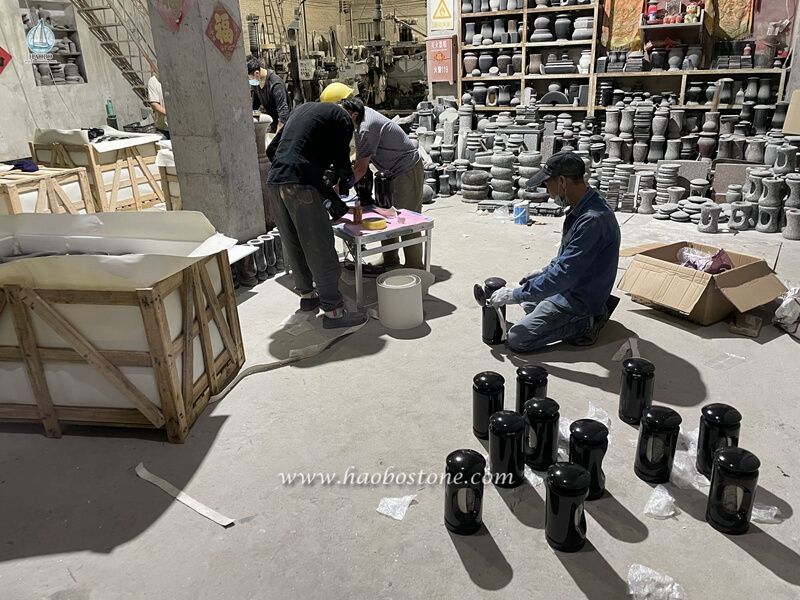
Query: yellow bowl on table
[[374, 223]]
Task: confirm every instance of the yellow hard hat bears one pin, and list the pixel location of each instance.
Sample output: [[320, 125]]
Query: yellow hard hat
[[336, 91]]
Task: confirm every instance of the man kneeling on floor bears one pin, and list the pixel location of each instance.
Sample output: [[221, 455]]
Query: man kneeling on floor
[[569, 299]]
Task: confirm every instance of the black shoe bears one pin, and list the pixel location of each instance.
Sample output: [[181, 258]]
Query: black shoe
[[367, 270], [347, 319], [309, 304], [590, 337]]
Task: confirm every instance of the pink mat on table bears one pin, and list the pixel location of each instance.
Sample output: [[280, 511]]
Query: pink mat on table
[[404, 219]]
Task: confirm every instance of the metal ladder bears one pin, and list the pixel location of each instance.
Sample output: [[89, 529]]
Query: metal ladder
[[121, 38], [274, 24]]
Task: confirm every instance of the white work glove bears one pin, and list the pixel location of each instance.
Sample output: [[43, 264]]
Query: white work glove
[[531, 275], [503, 296]]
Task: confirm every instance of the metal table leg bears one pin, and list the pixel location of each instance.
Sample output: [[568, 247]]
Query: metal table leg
[[359, 275], [428, 250]]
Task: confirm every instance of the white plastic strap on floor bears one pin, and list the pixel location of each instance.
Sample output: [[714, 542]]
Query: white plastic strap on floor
[[183, 498], [633, 345], [295, 355]]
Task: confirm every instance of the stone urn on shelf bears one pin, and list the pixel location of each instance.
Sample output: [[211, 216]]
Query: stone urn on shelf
[[534, 64], [764, 91], [563, 27], [470, 63], [485, 62], [675, 58], [469, 32], [516, 61], [479, 94], [499, 30]]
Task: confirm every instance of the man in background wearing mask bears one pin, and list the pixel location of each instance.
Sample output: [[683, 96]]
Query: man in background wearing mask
[[271, 93], [569, 299]]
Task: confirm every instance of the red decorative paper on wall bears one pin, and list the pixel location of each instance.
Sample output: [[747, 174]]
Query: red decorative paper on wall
[[441, 66], [172, 11], [223, 31], [5, 58]]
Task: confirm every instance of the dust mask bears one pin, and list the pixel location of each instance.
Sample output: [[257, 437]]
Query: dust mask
[[254, 82], [560, 201]]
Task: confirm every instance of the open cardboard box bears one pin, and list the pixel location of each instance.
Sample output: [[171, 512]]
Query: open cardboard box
[[656, 279]]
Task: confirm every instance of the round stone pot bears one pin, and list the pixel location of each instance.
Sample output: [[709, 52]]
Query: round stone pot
[[734, 194]]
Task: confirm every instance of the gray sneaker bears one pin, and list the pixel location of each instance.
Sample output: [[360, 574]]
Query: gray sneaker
[[347, 319]]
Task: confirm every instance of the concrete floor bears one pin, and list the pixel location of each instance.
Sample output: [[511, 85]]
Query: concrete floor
[[77, 523]]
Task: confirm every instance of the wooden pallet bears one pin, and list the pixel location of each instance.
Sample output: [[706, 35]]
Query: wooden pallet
[[48, 184], [124, 164], [183, 394], [171, 189]]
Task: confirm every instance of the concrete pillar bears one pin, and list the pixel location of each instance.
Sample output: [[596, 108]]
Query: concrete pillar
[[209, 113]]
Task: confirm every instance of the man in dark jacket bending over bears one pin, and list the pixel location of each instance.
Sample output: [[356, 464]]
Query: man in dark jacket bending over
[[569, 299], [316, 137]]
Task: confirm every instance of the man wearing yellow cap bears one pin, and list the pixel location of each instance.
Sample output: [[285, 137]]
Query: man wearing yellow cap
[[383, 143]]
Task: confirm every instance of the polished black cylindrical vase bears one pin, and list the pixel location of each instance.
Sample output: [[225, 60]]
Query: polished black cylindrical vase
[[588, 442], [636, 389], [564, 521], [734, 479], [491, 325], [658, 439], [531, 383], [383, 190], [463, 491], [488, 392], [506, 454], [719, 428], [541, 433]]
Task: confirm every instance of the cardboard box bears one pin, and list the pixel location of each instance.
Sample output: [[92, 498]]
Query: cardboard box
[[791, 126], [656, 279]]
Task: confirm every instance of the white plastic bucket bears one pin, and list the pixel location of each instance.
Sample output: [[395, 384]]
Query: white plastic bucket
[[400, 300]]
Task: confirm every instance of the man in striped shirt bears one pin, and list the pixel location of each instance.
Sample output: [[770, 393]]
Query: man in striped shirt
[[383, 143]]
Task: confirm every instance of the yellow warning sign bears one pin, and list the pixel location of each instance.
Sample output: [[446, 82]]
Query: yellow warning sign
[[443, 15]]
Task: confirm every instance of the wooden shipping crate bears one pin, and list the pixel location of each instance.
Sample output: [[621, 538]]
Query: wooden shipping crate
[[46, 191], [171, 188], [141, 355], [123, 179]]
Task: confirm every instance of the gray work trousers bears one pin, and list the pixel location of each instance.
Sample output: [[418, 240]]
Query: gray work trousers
[[307, 236], [407, 193]]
